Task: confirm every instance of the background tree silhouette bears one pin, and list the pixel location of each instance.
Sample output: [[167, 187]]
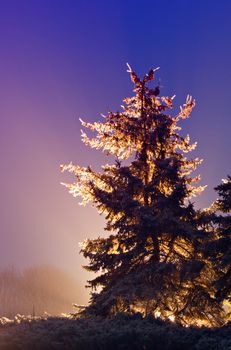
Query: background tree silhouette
[[151, 261], [218, 250]]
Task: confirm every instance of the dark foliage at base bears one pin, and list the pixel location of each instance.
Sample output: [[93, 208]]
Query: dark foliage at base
[[119, 332]]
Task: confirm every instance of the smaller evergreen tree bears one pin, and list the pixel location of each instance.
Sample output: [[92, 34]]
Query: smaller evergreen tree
[[219, 249]]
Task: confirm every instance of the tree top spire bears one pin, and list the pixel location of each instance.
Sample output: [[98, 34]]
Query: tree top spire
[[136, 80]]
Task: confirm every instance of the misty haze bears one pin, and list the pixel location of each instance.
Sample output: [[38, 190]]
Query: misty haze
[[36, 291]]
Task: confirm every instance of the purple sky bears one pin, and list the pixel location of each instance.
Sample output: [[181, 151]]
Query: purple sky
[[61, 60]]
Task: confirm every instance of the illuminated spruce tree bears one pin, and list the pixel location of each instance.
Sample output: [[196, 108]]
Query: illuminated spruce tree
[[150, 261]]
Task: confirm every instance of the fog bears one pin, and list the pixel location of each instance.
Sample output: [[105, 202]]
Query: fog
[[37, 290]]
